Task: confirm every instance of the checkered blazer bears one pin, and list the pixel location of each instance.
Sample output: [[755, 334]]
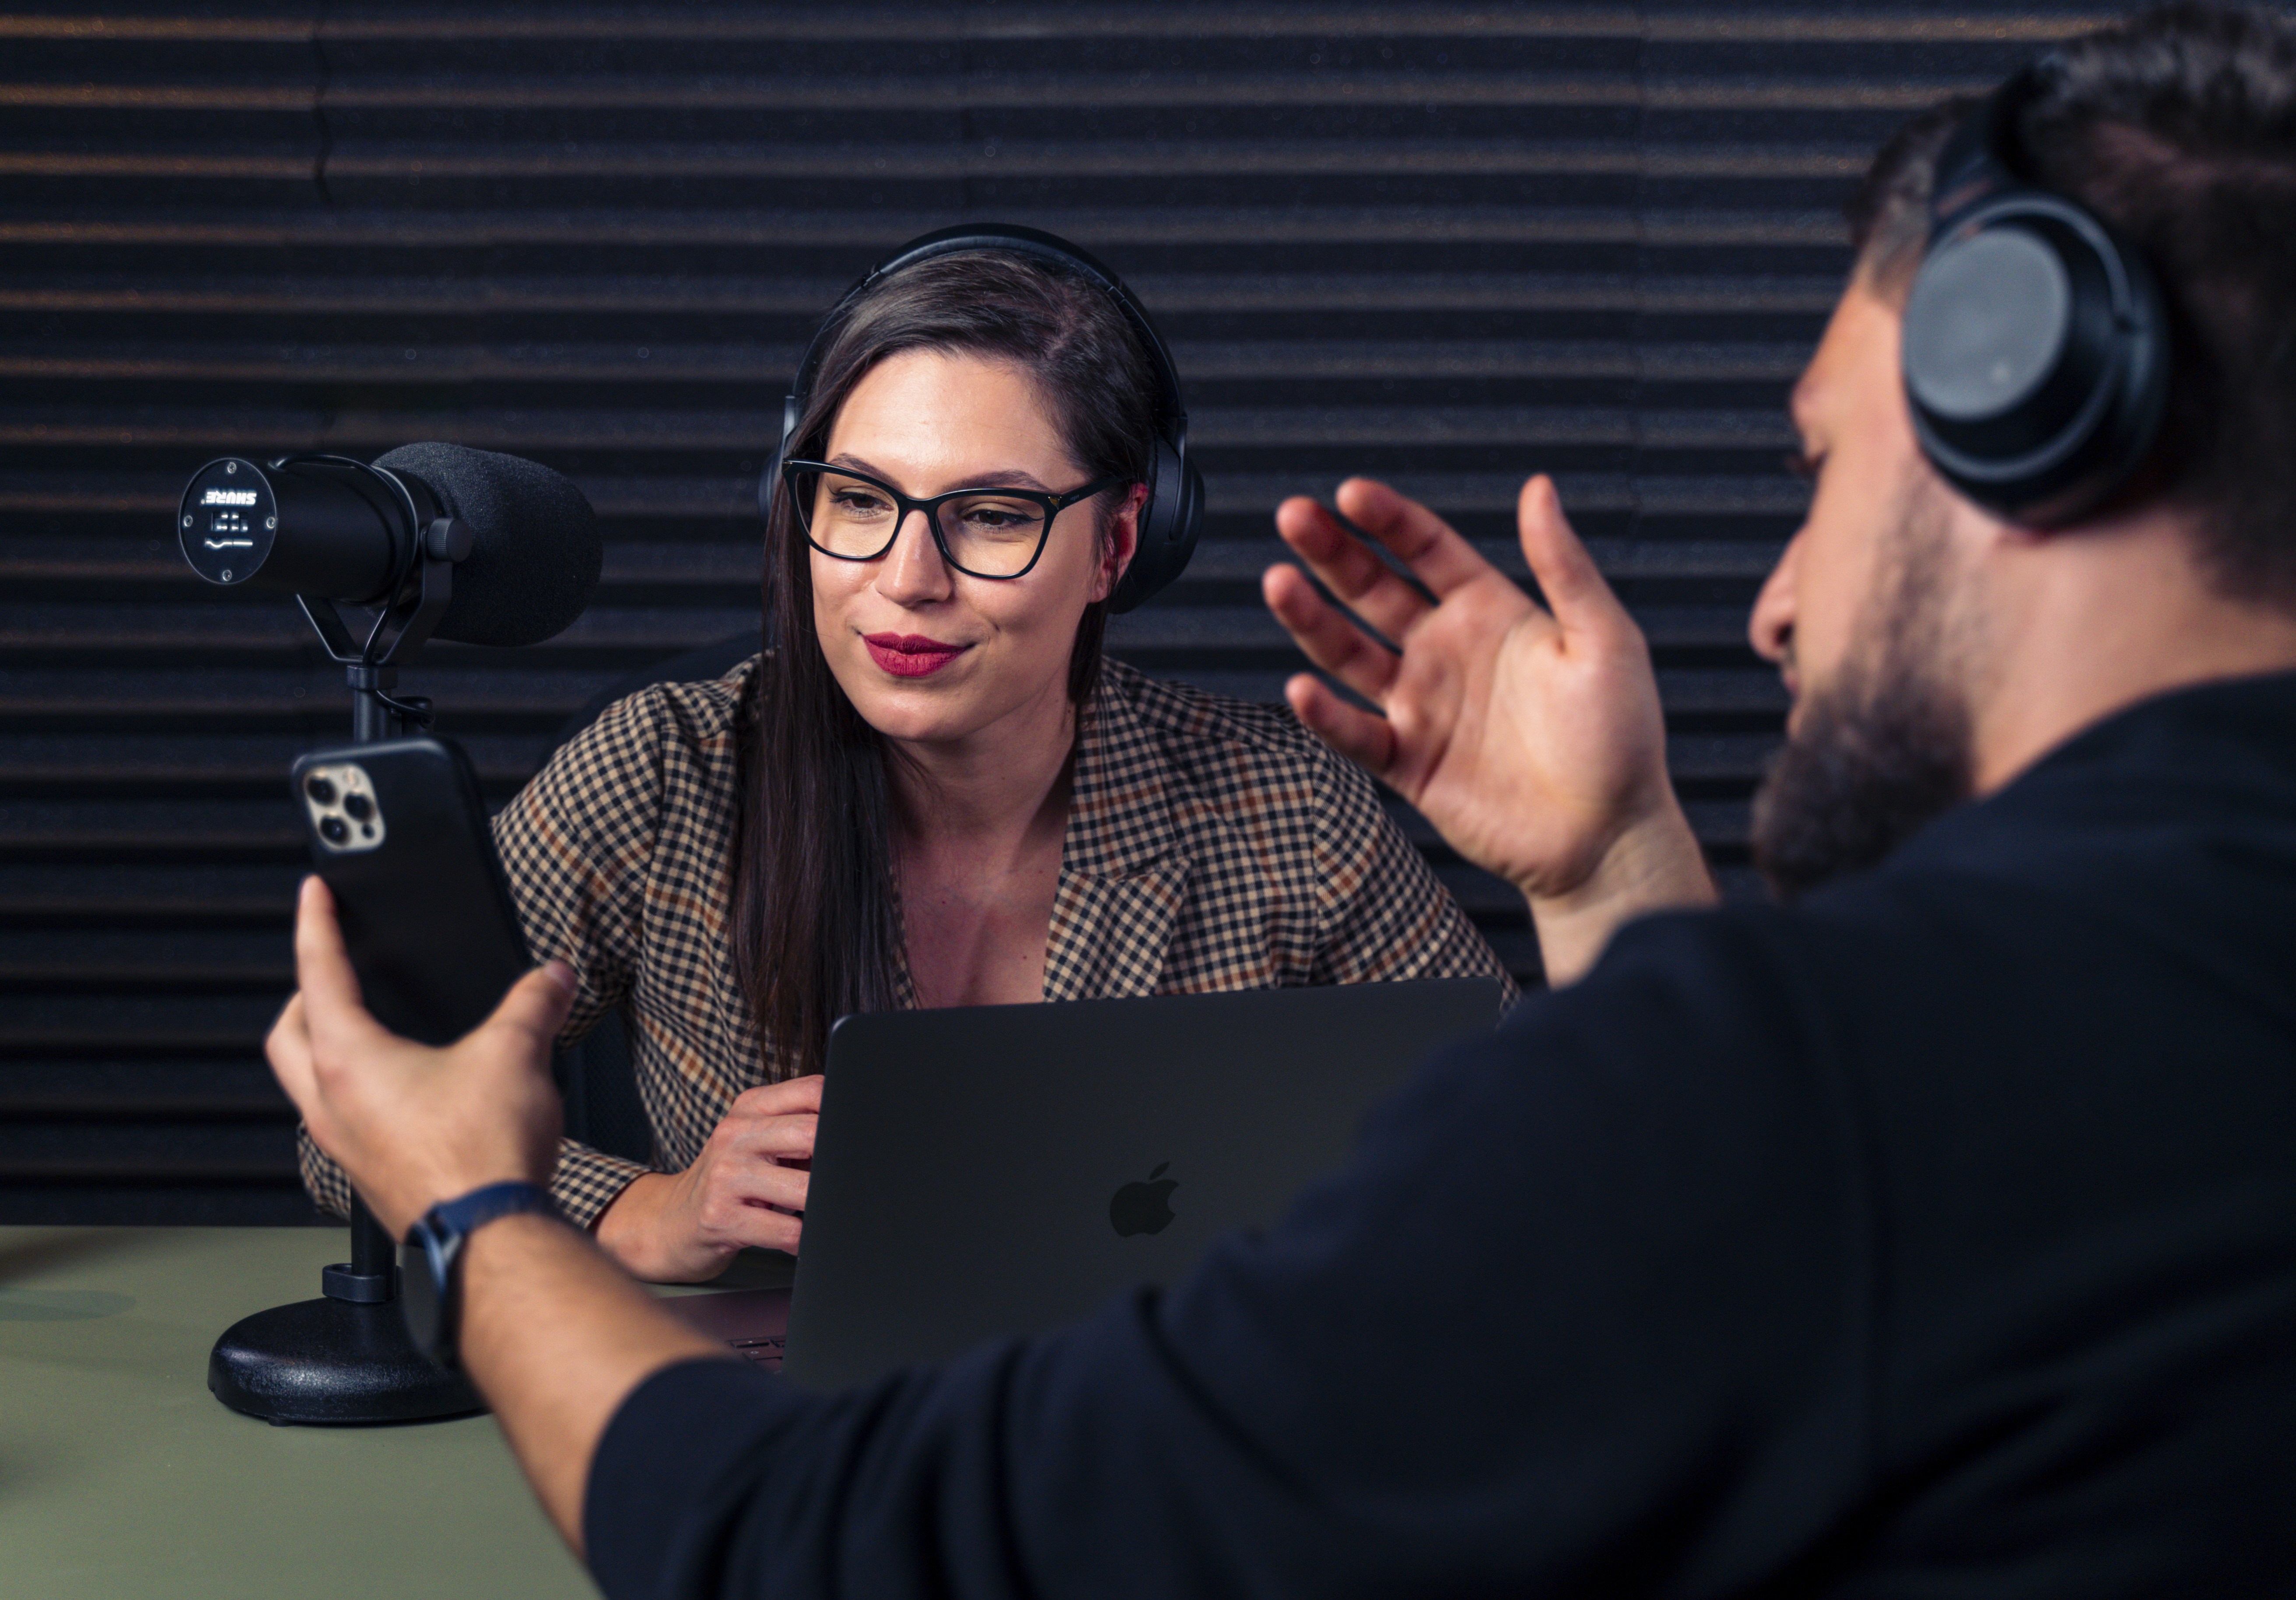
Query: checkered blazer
[[1211, 844]]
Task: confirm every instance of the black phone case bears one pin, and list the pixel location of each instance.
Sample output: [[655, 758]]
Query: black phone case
[[422, 902]]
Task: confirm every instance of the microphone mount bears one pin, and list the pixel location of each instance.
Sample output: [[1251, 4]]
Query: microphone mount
[[429, 546]]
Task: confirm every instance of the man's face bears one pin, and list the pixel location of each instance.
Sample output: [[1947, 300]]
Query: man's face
[[1871, 616], [1858, 447]]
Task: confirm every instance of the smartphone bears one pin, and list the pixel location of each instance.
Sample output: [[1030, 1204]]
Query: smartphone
[[399, 834]]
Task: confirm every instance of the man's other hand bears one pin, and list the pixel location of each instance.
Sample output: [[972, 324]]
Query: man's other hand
[[414, 1126], [1532, 738]]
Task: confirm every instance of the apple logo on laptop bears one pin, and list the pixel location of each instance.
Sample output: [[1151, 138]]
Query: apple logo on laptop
[[1144, 1207]]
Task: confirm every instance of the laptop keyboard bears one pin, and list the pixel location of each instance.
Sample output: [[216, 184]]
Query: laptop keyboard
[[765, 1352]]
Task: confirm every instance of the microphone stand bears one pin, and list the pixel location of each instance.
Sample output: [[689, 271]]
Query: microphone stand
[[347, 1357]]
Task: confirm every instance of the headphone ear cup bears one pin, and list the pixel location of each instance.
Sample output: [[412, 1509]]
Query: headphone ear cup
[[2035, 359], [1169, 522], [769, 481]]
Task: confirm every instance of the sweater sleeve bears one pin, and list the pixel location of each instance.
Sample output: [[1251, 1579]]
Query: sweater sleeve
[[584, 1184], [1589, 1328], [576, 845]]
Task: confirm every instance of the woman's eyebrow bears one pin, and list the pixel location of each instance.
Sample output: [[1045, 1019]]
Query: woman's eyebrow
[[1011, 478], [1001, 478]]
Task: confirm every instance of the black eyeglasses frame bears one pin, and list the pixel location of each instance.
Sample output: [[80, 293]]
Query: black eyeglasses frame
[[930, 506]]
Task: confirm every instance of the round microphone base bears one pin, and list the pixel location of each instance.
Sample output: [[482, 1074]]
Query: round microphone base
[[334, 1361]]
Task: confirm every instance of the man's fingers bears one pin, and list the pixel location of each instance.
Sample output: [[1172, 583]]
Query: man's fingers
[[1574, 587], [1422, 541], [1329, 639], [1347, 566], [288, 1045], [1363, 738], [537, 1004], [328, 986]]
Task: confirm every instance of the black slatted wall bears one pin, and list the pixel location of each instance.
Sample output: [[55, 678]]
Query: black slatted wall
[[1444, 244]]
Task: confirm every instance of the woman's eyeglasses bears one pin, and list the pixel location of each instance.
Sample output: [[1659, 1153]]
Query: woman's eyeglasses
[[987, 532]]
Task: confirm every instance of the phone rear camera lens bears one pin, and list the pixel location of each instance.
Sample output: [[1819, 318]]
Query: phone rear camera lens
[[359, 806], [321, 793], [333, 830]]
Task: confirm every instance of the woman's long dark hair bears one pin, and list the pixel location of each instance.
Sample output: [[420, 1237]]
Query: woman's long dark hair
[[817, 925]]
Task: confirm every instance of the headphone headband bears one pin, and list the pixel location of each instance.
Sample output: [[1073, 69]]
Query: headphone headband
[[1012, 240], [1173, 517], [1982, 157]]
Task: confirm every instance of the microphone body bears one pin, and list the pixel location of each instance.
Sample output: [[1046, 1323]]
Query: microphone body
[[340, 532]]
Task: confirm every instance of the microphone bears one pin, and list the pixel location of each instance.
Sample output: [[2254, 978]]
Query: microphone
[[440, 542], [523, 541]]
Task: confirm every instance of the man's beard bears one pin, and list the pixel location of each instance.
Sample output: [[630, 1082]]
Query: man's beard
[[1884, 749]]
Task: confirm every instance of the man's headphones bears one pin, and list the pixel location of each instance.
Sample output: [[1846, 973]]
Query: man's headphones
[[2036, 344], [1173, 514]]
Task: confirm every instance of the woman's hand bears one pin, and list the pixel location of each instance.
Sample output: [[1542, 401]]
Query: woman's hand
[[745, 1188], [1532, 738]]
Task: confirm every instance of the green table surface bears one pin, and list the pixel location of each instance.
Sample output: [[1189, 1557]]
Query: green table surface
[[121, 1475]]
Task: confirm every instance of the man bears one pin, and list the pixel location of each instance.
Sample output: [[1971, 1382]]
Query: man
[[1935, 1232]]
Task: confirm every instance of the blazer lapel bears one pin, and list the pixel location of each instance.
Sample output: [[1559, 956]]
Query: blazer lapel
[[1123, 873], [1110, 934]]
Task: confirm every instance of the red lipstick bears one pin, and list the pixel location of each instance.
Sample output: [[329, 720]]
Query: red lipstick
[[910, 655]]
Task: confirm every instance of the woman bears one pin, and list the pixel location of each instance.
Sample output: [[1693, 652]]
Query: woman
[[935, 792]]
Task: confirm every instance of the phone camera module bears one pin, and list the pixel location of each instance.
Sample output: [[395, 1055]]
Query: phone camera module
[[344, 812]]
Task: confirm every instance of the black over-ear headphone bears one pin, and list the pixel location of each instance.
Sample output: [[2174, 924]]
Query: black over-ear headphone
[[2036, 345], [1173, 514]]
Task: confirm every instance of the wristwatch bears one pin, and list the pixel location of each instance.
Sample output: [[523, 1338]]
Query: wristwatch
[[431, 1277]]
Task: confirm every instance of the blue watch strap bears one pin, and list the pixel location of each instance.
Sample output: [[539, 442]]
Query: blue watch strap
[[430, 1285], [465, 1216]]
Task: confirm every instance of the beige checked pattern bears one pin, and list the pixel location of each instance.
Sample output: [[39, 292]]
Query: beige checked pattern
[[1211, 844]]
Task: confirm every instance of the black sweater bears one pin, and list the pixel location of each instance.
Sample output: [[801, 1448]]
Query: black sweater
[[1936, 1237]]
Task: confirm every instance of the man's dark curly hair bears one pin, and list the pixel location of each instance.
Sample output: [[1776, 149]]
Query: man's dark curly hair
[[2177, 129]]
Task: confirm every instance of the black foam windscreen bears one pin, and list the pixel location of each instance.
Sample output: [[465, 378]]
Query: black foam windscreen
[[535, 553]]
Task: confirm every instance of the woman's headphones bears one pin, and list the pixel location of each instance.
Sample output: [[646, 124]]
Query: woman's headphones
[[1173, 514], [2036, 344]]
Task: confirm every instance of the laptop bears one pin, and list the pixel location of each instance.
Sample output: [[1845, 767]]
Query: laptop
[[991, 1170]]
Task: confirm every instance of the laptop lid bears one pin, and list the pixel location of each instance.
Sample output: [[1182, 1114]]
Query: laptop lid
[[989, 1170]]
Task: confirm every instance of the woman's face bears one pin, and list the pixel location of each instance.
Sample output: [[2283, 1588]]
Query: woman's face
[[926, 653]]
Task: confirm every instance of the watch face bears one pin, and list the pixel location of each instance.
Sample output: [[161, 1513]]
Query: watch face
[[421, 1293]]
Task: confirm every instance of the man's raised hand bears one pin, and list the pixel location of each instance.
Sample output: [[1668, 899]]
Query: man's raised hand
[[1532, 738]]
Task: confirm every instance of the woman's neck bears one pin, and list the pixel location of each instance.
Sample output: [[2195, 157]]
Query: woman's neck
[[977, 852], [986, 797]]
